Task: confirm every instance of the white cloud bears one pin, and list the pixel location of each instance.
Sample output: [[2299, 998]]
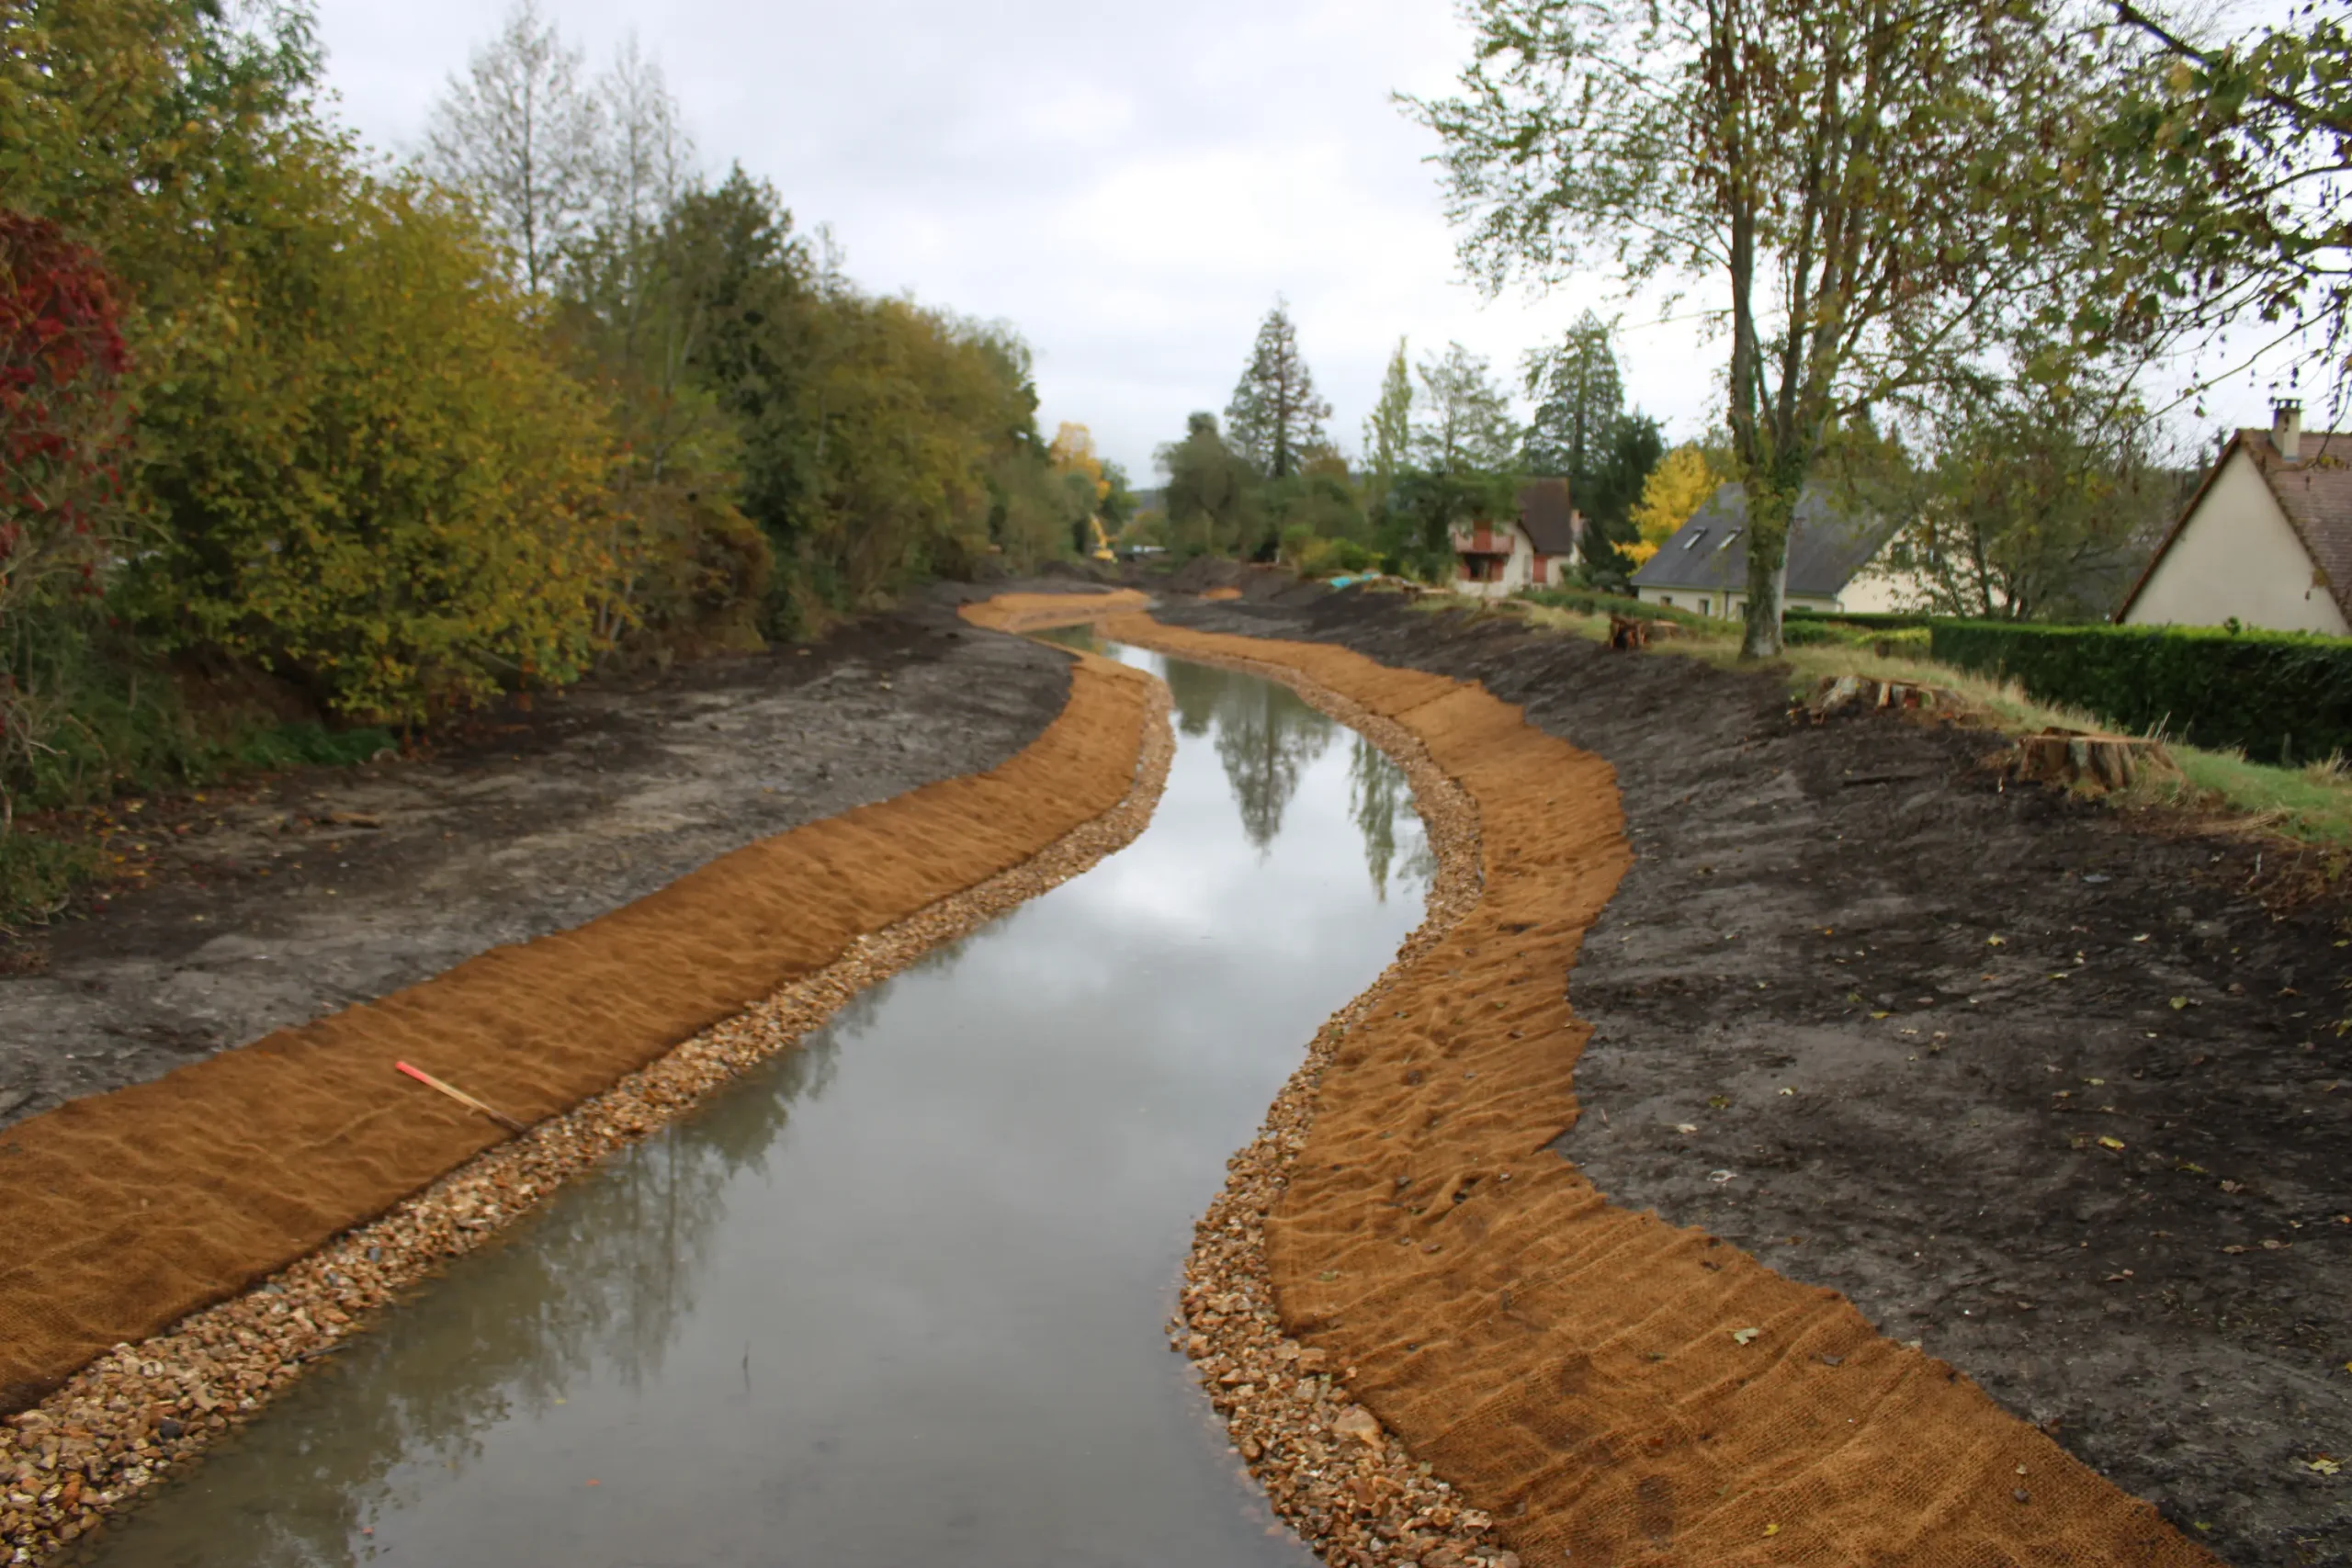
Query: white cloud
[[1130, 185]]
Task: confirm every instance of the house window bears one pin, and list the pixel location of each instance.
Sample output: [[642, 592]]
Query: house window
[[1703, 606], [1697, 537], [1666, 598]]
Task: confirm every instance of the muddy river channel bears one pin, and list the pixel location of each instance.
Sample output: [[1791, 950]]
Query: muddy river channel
[[898, 1297]]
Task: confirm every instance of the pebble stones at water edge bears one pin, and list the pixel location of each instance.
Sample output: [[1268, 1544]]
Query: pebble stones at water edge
[[142, 1410], [1350, 1489]]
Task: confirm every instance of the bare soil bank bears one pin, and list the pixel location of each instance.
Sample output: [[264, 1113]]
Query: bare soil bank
[[129, 1419], [1886, 1102], [129, 1209], [1607, 1387], [274, 904]]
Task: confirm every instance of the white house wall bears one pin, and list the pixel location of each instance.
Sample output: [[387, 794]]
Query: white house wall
[[1519, 571], [2237, 558]]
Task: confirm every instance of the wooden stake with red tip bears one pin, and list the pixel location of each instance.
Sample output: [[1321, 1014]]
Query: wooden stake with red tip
[[461, 1097]]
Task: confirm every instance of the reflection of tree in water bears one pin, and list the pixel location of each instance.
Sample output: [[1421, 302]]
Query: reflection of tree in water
[[1194, 690], [1377, 794], [605, 1276], [1265, 736]]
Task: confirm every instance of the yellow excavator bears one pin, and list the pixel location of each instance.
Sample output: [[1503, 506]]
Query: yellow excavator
[[1102, 550]]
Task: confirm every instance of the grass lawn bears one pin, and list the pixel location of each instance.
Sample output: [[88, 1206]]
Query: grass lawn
[[2310, 805]]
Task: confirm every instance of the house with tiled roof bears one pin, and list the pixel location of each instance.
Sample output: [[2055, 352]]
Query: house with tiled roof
[[1536, 548], [1837, 559], [2265, 541]]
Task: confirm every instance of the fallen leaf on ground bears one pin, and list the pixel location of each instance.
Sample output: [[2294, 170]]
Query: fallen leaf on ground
[[2324, 1465], [1772, 1529], [1996, 942], [2234, 1249], [1685, 1127], [1745, 1336], [2110, 1143], [2179, 1003]]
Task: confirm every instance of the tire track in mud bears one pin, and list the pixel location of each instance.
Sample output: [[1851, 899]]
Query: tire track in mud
[[1606, 1387]]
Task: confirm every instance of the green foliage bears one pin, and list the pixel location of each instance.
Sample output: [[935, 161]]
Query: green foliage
[[408, 446], [1579, 396], [1212, 495], [1276, 416], [1879, 190], [1462, 423], [881, 442], [309, 744], [37, 872], [2040, 498], [380, 483], [1590, 602], [2237, 151], [1388, 432], [1429, 504], [2280, 696]]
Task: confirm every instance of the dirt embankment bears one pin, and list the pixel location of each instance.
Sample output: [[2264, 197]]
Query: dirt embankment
[[128, 1418], [1862, 1013], [273, 904], [129, 1209], [1609, 1387]]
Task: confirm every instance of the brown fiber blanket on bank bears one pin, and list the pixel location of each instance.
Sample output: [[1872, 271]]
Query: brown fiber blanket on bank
[[1586, 1372], [125, 1211]]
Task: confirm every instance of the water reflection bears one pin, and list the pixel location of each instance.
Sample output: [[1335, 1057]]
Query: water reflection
[[1266, 737], [1379, 800], [895, 1298]]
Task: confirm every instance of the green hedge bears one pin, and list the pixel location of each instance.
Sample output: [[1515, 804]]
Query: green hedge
[[1592, 602], [2284, 697], [1895, 622]]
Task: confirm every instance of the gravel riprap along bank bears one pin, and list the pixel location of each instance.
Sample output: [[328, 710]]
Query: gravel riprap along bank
[[142, 1407], [1598, 1384]]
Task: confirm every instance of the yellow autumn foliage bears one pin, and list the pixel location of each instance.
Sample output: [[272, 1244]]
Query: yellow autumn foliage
[[1678, 487]]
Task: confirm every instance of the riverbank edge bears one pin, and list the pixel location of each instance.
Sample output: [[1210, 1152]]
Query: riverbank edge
[[1321, 1449], [138, 1415], [1943, 1428]]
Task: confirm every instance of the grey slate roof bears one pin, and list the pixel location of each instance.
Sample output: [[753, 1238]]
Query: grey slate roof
[[1826, 547], [1545, 514], [2315, 494]]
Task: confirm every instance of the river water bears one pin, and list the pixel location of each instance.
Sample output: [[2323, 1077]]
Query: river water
[[896, 1298]]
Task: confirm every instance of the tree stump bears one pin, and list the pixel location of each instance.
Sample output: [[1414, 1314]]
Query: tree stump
[[2101, 761], [1628, 632]]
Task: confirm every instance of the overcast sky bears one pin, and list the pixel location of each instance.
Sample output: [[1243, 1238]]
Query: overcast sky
[[1129, 185]]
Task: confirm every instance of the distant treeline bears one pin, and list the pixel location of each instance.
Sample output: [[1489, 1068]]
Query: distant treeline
[[290, 431]]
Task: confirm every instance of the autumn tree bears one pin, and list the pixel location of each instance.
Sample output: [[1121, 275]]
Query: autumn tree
[[2038, 501], [1275, 415], [517, 133], [1871, 189], [1678, 486], [62, 431]]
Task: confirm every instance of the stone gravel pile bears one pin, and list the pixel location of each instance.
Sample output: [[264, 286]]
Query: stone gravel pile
[[145, 1411]]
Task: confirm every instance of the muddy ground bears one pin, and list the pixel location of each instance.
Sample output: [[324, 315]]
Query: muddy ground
[[2043, 1090], [272, 903]]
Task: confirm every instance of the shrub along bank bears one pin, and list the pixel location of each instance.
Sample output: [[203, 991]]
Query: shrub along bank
[[2279, 696], [287, 434]]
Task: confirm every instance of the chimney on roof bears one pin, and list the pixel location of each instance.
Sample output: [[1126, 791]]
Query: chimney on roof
[[2286, 428]]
